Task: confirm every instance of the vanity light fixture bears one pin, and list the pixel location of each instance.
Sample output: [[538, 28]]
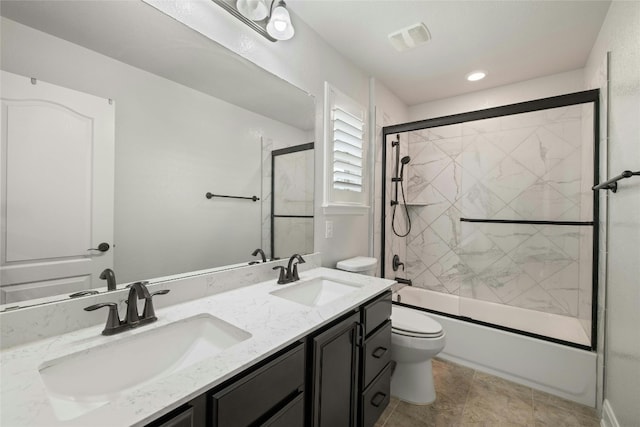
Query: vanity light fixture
[[476, 75], [270, 19]]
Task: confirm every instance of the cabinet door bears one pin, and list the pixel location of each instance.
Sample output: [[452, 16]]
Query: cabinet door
[[335, 375]]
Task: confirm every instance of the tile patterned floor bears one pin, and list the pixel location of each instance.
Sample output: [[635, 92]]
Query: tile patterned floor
[[468, 398]]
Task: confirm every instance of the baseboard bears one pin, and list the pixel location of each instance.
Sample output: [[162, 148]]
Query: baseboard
[[608, 416]]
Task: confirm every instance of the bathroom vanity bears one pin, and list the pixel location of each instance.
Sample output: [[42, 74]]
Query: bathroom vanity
[[335, 376], [314, 352]]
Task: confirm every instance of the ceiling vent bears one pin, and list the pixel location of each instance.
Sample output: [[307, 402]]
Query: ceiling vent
[[409, 37]]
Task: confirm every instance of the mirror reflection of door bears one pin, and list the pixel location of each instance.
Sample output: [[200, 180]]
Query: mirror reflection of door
[[292, 184], [56, 176]]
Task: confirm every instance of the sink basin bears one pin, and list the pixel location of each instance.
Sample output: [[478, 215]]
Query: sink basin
[[316, 292], [83, 381]]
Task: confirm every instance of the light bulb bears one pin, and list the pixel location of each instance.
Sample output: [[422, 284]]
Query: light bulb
[[279, 26]]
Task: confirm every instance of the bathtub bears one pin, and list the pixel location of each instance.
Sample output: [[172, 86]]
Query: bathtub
[[558, 369]]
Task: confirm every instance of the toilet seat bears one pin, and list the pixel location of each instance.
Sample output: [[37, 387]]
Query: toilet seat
[[412, 323]]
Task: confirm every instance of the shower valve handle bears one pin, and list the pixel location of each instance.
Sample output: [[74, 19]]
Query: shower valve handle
[[396, 263]]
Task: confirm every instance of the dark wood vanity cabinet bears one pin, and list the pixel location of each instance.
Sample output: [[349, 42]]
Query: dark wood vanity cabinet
[[338, 376], [350, 378], [333, 390]]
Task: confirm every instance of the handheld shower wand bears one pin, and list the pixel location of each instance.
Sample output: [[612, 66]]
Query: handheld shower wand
[[398, 179], [405, 160]]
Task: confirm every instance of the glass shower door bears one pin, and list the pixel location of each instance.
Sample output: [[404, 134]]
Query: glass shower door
[[526, 226]]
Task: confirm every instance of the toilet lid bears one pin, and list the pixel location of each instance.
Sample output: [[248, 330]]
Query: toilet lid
[[406, 321]]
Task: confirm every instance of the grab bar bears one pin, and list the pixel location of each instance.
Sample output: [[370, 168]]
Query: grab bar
[[526, 221], [612, 184], [211, 195]]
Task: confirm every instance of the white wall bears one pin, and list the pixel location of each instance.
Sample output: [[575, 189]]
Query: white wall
[[173, 144], [543, 87], [620, 35], [388, 110]]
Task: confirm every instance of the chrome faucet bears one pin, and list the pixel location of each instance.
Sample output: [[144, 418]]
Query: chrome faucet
[[110, 277], [137, 291], [290, 273]]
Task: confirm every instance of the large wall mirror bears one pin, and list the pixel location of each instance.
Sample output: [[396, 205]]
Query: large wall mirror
[[189, 117]]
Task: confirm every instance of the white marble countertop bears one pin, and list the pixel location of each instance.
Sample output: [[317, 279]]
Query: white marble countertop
[[273, 323]]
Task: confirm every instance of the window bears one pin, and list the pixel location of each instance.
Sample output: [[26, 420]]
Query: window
[[346, 189], [348, 133]]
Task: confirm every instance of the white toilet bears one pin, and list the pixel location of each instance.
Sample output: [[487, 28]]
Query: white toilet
[[415, 339], [360, 264]]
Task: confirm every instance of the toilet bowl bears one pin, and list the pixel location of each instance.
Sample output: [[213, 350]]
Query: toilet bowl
[[415, 339]]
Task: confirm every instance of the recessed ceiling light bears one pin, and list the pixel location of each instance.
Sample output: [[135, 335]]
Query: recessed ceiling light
[[476, 75]]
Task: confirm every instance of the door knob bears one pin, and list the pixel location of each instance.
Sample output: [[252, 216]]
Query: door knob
[[102, 247]]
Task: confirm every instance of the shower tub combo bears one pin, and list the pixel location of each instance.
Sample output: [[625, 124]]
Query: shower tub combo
[[490, 217]]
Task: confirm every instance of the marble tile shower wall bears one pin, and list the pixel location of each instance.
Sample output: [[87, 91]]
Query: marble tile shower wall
[[293, 195], [528, 166]]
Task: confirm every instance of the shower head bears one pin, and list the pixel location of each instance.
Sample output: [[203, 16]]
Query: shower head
[[404, 161]]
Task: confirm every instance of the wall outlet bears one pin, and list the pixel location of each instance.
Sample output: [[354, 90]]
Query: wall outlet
[[328, 229]]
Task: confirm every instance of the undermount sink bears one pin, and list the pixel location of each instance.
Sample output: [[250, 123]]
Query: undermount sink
[[83, 381], [316, 292]]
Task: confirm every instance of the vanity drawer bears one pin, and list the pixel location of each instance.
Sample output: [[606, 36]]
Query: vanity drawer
[[250, 398], [376, 397], [377, 352], [376, 313], [191, 414], [183, 419], [292, 415]]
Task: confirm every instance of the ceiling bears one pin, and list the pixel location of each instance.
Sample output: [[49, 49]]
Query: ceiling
[[512, 40], [166, 48]]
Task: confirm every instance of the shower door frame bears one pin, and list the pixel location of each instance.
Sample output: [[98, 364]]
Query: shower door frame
[[583, 97]]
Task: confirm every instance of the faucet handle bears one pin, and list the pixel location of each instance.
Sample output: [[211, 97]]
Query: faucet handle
[[113, 319], [282, 279], [162, 292], [149, 313]]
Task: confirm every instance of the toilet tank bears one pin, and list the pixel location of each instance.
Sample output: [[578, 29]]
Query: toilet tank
[[360, 264]]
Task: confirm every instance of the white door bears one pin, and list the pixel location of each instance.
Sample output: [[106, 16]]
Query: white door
[[57, 179]]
